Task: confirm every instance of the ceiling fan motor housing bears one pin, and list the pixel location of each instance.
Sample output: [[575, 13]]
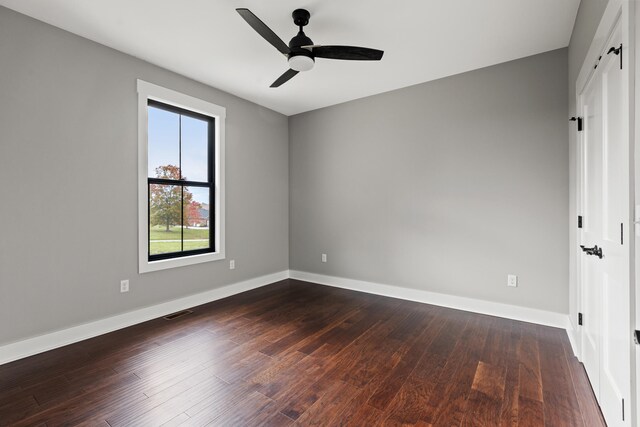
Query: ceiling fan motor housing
[[299, 40], [301, 59]]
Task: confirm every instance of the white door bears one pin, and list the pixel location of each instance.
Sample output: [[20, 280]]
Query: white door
[[605, 275]]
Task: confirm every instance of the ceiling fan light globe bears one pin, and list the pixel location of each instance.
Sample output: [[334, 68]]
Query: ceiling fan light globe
[[301, 63]]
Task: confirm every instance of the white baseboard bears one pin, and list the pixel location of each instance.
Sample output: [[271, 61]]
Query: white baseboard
[[525, 314], [42, 343], [573, 339]]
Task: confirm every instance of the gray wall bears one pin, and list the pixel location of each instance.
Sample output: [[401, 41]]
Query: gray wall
[[589, 16], [447, 186], [68, 168]]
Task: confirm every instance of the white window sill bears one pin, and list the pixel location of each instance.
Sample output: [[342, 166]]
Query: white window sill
[[149, 266]]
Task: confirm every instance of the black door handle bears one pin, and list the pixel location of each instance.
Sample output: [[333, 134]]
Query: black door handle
[[593, 251]]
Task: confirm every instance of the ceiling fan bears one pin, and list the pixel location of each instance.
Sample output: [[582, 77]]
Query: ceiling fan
[[301, 51]]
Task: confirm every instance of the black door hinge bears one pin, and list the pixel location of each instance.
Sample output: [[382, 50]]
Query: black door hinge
[[579, 120], [579, 319], [579, 221], [617, 51]]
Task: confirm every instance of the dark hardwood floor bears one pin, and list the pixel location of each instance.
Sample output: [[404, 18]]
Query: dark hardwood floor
[[303, 354]]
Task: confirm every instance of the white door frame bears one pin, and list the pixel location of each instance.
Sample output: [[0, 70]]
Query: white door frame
[[625, 11]]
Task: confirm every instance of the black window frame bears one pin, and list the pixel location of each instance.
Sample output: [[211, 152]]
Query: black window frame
[[210, 183]]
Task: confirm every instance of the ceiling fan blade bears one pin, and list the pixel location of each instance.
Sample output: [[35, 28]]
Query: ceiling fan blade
[[284, 78], [262, 29], [353, 53]]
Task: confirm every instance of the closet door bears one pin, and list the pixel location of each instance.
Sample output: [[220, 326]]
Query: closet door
[[605, 263], [615, 360]]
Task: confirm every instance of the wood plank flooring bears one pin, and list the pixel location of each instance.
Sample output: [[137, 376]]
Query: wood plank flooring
[[296, 353]]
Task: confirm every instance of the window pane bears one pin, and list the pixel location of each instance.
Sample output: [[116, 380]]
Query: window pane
[[196, 214], [165, 229], [164, 141], [195, 136]]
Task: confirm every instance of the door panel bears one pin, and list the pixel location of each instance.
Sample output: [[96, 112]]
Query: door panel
[[592, 229]]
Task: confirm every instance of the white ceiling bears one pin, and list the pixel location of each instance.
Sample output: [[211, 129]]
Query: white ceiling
[[208, 41]]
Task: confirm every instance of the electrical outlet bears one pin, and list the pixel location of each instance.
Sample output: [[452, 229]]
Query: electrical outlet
[[512, 280], [324, 257], [124, 286], [232, 264]]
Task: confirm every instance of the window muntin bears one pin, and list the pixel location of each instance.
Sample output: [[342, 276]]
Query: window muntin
[[180, 181]]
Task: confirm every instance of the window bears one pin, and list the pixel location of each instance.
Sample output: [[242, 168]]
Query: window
[[181, 149]]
